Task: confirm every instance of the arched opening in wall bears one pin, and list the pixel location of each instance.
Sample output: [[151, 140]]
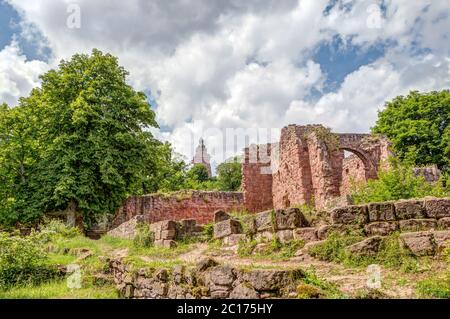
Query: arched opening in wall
[[354, 170]]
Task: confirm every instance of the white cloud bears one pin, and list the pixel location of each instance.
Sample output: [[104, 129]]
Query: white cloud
[[17, 75], [249, 63]]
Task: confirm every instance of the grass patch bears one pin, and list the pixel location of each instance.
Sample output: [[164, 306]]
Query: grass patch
[[391, 253], [59, 290], [437, 287]]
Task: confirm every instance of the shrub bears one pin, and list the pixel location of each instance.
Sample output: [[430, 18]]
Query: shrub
[[208, 231], [398, 182], [245, 248], [23, 262], [144, 237]]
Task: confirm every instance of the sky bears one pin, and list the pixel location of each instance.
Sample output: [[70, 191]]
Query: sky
[[224, 69]]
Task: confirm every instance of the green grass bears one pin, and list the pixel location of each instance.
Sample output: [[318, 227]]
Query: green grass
[[59, 290], [391, 254], [436, 287]]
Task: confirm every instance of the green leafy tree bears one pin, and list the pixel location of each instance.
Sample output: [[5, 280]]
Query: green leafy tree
[[198, 173], [85, 145], [418, 126], [229, 175]]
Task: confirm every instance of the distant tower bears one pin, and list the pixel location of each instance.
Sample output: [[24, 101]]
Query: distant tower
[[202, 157]]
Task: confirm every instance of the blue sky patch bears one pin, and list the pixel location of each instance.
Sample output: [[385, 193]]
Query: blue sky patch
[[337, 60]]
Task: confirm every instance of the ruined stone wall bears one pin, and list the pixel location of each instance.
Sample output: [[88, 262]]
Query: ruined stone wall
[[325, 164], [352, 170], [257, 177], [207, 280], [309, 167], [198, 205], [292, 180]]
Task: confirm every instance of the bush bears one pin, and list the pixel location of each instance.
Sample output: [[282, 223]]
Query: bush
[[144, 237], [23, 262], [398, 182], [208, 231]]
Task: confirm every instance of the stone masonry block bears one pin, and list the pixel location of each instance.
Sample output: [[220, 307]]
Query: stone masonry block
[[444, 223], [410, 225], [355, 214], [381, 228], [381, 212], [306, 234], [226, 228], [407, 209], [419, 243], [289, 218], [437, 207], [264, 221]]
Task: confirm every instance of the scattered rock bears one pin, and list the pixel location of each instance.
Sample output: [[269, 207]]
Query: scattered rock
[[242, 291], [419, 243], [263, 221], [307, 234], [226, 228], [233, 239], [285, 235], [220, 216], [367, 247], [442, 239], [206, 263], [289, 219]]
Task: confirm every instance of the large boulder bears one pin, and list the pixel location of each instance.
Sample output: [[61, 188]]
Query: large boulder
[[437, 207], [411, 225], [381, 211], [243, 291], [226, 228], [419, 243], [222, 275], [355, 214], [381, 228], [264, 221], [220, 216], [407, 209], [444, 223], [442, 239], [307, 234], [289, 219], [270, 280], [367, 247]]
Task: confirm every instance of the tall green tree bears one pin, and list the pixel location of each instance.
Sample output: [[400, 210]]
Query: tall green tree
[[229, 175], [92, 145], [418, 126]]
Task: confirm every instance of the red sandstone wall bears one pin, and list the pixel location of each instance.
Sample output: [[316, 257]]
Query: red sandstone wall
[[353, 169], [198, 205], [323, 170], [292, 181], [256, 177]]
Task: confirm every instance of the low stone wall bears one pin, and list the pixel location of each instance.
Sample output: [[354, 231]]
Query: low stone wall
[[424, 224], [207, 280], [198, 205], [165, 232]]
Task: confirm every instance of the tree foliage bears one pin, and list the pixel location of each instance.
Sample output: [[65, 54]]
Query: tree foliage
[[80, 142], [398, 182], [418, 126], [229, 175]]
